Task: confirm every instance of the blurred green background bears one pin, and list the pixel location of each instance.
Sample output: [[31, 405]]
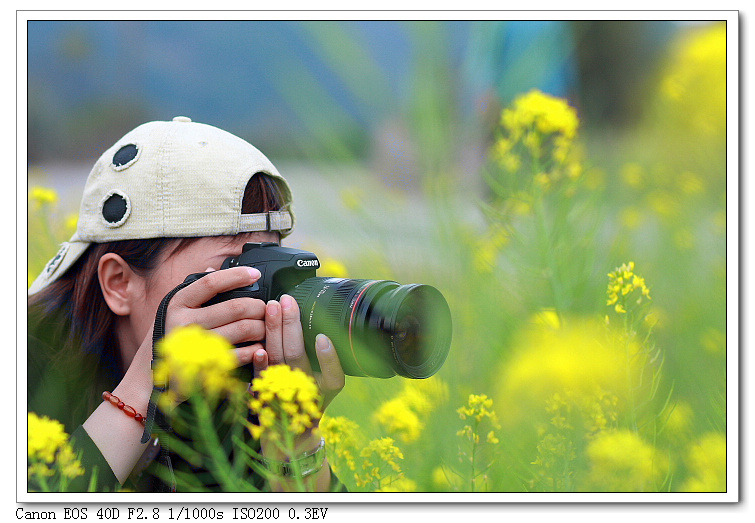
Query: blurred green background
[[384, 130]]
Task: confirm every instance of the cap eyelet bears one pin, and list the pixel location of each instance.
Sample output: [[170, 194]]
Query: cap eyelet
[[115, 209], [53, 264], [125, 156]]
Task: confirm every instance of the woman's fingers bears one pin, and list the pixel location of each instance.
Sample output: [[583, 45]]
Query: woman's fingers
[[240, 320], [209, 286], [332, 378], [260, 361], [245, 355], [293, 340], [284, 341], [230, 311], [273, 333]]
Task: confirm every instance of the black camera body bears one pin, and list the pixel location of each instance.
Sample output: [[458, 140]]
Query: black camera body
[[282, 268], [378, 327]]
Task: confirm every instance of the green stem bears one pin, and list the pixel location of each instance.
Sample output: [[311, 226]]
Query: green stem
[[546, 253], [474, 454], [289, 449], [630, 385], [220, 466], [43, 483]]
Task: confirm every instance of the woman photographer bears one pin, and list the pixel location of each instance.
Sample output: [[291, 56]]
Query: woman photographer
[[167, 200]]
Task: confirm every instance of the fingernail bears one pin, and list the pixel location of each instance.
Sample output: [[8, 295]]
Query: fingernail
[[286, 302], [322, 342], [209, 269], [254, 273], [259, 355], [272, 308]]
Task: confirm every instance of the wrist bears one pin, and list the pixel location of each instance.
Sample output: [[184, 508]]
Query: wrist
[[300, 465], [136, 386], [275, 449]]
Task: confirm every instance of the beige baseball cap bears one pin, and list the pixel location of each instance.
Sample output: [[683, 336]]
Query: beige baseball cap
[[169, 180]]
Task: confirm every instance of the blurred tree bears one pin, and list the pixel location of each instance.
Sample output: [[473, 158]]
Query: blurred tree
[[616, 61]]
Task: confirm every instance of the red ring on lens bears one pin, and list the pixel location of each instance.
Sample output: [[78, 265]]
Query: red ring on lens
[[351, 322]]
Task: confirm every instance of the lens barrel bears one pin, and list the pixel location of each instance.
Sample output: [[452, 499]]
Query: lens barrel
[[379, 327]]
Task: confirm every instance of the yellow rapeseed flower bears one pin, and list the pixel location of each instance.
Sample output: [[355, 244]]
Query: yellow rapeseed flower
[[543, 180], [68, 464], [39, 469], [49, 450], [488, 247], [706, 461], [633, 175], [546, 318], [511, 162], [690, 183], [42, 196], [621, 283], [445, 479], [502, 149], [45, 437], [664, 203], [555, 455], [332, 267], [424, 395], [594, 411], [694, 83], [582, 356], [404, 416], [191, 359], [285, 399], [538, 131], [713, 340], [402, 484], [631, 217], [340, 434], [479, 409], [378, 453], [71, 222], [385, 450], [678, 426], [620, 461], [399, 419], [338, 430], [544, 113]]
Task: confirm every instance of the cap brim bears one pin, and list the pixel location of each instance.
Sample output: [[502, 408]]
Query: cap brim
[[67, 255]]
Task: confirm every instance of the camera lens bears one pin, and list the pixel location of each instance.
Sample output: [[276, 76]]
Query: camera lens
[[379, 328]]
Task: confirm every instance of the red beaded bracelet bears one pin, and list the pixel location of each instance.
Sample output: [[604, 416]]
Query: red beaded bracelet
[[127, 409]]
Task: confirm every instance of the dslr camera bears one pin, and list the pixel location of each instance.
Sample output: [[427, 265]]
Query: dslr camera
[[378, 327]]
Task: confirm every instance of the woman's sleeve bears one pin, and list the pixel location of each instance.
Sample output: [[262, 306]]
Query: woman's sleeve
[[98, 476]]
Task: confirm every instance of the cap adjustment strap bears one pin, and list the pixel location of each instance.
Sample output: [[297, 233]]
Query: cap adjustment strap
[[266, 221]]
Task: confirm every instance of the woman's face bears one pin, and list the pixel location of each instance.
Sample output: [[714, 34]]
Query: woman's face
[[197, 256]]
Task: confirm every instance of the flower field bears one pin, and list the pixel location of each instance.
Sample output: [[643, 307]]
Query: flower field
[[588, 291]]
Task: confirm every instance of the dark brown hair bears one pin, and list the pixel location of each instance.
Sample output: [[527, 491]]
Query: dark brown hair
[[72, 312]]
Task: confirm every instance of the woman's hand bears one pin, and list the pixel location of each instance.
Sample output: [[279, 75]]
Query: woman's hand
[[278, 323], [239, 320], [284, 343]]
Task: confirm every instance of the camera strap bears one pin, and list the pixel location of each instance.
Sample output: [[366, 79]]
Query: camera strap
[[155, 419]]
